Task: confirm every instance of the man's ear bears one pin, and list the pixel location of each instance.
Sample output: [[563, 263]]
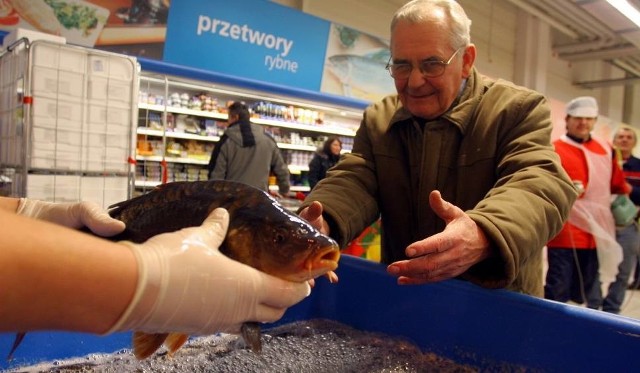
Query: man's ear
[[468, 59]]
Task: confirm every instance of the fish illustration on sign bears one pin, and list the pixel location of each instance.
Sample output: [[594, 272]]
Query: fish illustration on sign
[[365, 73], [347, 35]]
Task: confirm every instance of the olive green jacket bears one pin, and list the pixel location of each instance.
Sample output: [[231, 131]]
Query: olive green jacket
[[490, 155]]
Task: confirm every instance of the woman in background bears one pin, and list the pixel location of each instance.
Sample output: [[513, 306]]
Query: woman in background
[[324, 159]]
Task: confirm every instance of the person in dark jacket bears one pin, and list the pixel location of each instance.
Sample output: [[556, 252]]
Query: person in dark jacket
[[626, 142], [324, 159], [245, 153], [628, 236], [459, 167]]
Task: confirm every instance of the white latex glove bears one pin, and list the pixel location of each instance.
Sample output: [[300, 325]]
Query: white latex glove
[[185, 285], [72, 215]]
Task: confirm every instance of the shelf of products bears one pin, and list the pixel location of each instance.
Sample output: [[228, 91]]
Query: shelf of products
[[181, 120]]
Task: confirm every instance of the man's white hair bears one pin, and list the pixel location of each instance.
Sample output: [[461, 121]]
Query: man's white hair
[[418, 11]]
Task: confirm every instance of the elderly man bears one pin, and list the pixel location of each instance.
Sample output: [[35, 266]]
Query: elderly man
[[627, 235], [459, 167]]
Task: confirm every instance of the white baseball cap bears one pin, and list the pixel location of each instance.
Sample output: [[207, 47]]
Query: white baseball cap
[[583, 107]]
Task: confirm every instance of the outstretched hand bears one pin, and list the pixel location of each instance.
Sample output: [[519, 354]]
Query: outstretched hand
[[444, 255]]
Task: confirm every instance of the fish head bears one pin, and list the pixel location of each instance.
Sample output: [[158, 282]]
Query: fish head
[[265, 235]]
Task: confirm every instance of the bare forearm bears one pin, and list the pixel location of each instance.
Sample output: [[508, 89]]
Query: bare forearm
[[59, 279], [9, 204]]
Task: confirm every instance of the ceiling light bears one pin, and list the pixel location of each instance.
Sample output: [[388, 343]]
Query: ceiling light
[[627, 10]]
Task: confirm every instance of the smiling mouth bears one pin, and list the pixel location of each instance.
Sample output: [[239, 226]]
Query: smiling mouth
[[421, 95]]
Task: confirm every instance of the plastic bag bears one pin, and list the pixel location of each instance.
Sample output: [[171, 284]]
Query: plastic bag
[[624, 210]]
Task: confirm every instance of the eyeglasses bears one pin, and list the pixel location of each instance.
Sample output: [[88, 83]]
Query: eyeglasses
[[429, 68]]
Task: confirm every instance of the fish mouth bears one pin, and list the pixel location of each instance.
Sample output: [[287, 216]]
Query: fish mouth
[[321, 262]]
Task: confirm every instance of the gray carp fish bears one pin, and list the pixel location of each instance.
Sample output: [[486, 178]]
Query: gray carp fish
[[262, 234]]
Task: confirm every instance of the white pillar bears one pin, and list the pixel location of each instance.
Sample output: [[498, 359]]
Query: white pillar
[[532, 51]]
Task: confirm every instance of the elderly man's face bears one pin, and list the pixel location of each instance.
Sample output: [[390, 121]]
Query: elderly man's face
[[625, 140], [411, 43]]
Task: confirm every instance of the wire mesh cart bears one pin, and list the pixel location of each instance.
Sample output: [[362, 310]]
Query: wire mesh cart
[[67, 115]]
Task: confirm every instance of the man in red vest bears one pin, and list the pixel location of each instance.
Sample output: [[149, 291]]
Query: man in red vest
[[585, 252]]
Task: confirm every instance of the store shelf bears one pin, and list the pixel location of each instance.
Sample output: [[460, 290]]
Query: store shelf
[[327, 129], [176, 135], [153, 184], [333, 130], [200, 106], [297, 169], [293, 188], [147, 184], [307, 148], [293, 169], [159, 158], [254, 89], [189, 136], [180, 110]]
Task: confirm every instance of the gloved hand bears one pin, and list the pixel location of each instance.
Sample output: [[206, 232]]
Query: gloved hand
[[185, 285], [72, 215]]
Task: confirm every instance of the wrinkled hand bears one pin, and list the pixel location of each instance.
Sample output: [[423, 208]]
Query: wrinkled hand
[[444, 255], [72, 215], [185, 285], [313, 215]]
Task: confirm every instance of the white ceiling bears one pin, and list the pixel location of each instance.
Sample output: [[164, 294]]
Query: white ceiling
[[587, 30], [590, 30]]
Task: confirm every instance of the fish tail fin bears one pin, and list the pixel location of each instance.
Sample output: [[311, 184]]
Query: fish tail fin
[[145, 344], [174, 341], [16, 343]]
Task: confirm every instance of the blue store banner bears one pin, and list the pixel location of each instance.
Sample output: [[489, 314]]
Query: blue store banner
[[254, 39]]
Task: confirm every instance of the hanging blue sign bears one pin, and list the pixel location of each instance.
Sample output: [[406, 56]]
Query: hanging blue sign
[[254, 39]]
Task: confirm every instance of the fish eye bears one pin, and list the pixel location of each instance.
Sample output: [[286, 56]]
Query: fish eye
[[278, 237]]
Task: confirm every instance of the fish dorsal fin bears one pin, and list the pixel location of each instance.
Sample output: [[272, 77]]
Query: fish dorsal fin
[[145, 344]]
